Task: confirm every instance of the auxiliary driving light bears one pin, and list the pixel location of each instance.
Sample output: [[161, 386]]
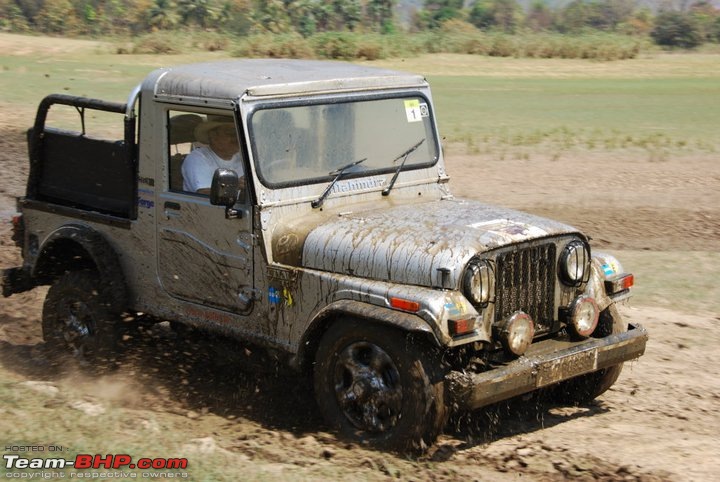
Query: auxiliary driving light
[[584, 315], [517, 332]]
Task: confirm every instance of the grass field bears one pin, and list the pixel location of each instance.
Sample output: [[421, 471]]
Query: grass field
[[675, 280], [501, 107], [611, 112], [666, 101]]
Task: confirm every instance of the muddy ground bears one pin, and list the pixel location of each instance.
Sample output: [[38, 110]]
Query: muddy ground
[[659, 422]]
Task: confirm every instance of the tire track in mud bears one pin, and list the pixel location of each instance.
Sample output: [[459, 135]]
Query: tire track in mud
[[268, 416]]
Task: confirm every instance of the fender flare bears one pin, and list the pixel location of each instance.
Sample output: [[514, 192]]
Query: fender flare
[[100, 253], [596, 284], [378, 314]]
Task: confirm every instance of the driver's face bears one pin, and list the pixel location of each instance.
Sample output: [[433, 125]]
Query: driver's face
[[223, 141]]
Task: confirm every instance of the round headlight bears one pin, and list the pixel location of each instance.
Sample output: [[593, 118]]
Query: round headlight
[[574, 262], [584, 315], [479, 282], [517, 332]]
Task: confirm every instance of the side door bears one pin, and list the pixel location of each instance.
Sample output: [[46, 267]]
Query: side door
[[202, 256]]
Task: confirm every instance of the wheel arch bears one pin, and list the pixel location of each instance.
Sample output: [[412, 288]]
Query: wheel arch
[[338, 310], [76, 247]]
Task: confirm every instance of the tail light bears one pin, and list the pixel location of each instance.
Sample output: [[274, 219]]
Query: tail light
[[18, 230]]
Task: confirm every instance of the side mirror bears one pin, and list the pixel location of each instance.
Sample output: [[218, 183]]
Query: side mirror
[[224, 190]]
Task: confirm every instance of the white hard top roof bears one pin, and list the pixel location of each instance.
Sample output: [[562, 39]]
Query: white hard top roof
[[272, 77]]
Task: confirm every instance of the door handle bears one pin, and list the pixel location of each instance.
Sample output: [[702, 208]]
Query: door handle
[[172, 209]]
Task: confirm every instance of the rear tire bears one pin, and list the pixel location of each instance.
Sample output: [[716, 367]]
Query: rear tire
[[584, 389], [79, 321], [379, 385]]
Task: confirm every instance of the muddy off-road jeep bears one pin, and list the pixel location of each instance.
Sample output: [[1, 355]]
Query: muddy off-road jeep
[[339, 247]]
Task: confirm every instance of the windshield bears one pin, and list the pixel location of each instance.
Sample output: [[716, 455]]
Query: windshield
[[309, 143]]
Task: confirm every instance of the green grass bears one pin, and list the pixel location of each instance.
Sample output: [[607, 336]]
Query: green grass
[[667, 101], [675, 280], [25, 82], [76, 67], [599, 113]]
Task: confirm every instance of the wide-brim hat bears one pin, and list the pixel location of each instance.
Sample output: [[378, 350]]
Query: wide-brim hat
[[212, 122]]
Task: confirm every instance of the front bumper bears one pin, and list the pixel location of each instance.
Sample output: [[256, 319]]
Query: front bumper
[[545, 363]]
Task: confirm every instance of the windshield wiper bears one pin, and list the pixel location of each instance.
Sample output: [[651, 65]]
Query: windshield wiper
[[338, 173], [404, 156]]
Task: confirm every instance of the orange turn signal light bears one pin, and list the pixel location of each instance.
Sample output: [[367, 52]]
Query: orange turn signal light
[[620, 283], [460, 327], [405, 305]]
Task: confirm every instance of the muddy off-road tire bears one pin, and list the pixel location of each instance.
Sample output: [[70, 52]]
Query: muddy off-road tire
[[380, 386], [586, 388], [79, 321]]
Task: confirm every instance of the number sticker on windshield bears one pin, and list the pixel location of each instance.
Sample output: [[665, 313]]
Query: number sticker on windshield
[[412, 110]]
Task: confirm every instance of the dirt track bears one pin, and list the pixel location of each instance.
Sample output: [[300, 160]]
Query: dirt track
[[659, 422]]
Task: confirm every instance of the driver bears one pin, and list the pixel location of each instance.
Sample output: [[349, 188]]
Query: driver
[[221, 150]]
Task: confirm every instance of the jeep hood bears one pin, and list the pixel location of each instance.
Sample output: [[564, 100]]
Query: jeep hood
[[413, 244]]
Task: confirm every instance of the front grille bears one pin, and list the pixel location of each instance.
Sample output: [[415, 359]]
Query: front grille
[[526, 281]]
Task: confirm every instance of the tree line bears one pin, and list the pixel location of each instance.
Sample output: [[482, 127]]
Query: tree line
[[695, 23]]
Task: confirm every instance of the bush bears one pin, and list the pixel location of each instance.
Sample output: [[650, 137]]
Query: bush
[[335, 45], [477, 45], [677, 29], [369, 49], [600, 46], [212, 42], [12, 18], [457, 26], [285, 46], [504, 46], [158, 43], [715, 30], [372, 46]]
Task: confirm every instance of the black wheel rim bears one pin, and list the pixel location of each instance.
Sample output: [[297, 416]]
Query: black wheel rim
[[77, 328], [368, 388]]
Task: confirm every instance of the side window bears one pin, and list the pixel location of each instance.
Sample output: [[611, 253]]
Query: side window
[[181, 140], [198, 145]]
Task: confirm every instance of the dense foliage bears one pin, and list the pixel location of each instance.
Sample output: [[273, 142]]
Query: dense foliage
[[328, 27]]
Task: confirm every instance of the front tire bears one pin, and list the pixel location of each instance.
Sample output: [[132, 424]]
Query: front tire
[[379, 385], [79, 320]]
